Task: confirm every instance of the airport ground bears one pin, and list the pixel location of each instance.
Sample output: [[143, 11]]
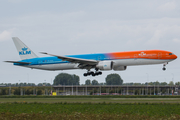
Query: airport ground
[[78, 107], [89, 111], [90, 100]]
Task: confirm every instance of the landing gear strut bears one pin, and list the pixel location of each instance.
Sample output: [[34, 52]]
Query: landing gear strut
[[164, 66]]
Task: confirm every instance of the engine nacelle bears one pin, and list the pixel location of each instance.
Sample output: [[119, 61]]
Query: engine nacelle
[[119, 68], [105, 65]]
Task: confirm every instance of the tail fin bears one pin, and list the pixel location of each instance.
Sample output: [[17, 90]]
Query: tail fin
[[23, 50]]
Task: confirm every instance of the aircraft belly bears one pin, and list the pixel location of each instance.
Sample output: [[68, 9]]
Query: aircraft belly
[[63, 66], [131, 62]]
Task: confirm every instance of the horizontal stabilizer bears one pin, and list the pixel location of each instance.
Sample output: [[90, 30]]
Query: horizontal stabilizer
[[25, 63]]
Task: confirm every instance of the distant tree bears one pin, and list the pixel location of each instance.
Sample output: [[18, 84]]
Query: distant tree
[[163, 83], [33, 84], [128, 83], [29, 84], [17, 91], [102, 83], [17, 84], [137, 84], [3, 91], [150, 83], [171, 83], [25, 84], [88, 82], [177, 83], [48, 84], [40, 84], [114, 79], [156, 83], [146, 83], [66, 79], [28, 92], [44, 84], [21, 84], [95, 82], [39, 92]]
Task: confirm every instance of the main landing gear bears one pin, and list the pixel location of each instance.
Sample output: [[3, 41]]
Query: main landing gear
[[164, 66], [93, 73]]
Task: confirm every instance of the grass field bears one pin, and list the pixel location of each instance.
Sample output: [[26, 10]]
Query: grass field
[[92, 100], [89, 111], [90, 108]]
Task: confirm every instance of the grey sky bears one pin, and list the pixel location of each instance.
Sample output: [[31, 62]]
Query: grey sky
[[78, 27]]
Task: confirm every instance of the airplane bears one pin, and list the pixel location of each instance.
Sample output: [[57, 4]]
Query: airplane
[[117, 61]]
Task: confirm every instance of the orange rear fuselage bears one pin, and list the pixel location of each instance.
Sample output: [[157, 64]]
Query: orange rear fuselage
[[144, 54]]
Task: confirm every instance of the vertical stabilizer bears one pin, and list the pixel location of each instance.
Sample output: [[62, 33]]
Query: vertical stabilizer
[[23, 51]]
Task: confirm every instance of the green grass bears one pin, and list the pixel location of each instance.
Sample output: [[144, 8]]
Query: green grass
[[90, 108], [80, 108], [92, 100], [82, 116], [89, 111], [90, 96]]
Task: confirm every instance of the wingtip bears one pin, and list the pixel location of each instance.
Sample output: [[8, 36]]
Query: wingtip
[[43, 52]]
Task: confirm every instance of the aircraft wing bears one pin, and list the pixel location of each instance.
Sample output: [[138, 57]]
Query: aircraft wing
[[25, 63], [83, 63]]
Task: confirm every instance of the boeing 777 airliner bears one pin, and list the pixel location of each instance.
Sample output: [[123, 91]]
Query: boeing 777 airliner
[[117, 61]]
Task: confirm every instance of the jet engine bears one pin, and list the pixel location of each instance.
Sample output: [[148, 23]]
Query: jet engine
[[119, 68], [105, 65]]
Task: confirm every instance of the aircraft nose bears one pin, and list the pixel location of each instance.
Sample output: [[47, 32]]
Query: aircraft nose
[[175, 56]]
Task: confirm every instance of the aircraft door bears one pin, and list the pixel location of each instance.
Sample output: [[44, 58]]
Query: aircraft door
[[136, 61], [39, 62], [99, 58], [135, 56], [159, 55]]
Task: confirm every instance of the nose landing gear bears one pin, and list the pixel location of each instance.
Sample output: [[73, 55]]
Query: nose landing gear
[[164, 66]]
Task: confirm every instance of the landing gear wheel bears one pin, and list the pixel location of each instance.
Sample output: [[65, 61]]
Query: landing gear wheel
[[96, 73], [92, 73], [164, 69], [100, 73], [85, 74]]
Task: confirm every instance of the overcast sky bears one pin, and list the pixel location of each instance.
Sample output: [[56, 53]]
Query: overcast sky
[[69, 27]]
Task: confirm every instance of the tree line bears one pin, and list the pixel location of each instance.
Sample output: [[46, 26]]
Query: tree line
[[26, 90], [24, 84], [67, 79], [153, 83]]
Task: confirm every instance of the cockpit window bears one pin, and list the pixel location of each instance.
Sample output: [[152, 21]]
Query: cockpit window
[[171, 54]]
